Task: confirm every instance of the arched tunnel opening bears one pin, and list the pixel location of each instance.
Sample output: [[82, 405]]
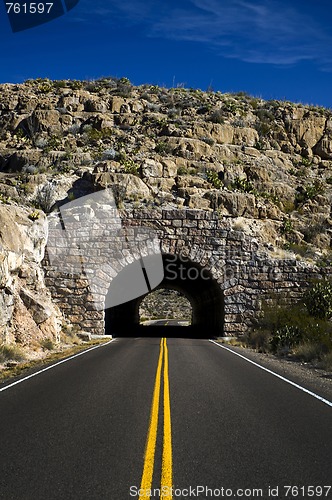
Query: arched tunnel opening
[[165, 307], [191, 280]]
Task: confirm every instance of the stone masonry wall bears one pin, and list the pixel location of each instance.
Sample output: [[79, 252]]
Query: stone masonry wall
[[246, 274]]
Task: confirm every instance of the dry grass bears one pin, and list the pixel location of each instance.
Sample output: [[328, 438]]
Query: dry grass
[[326, 362], [64, 352], [308, 351], [10, 353]]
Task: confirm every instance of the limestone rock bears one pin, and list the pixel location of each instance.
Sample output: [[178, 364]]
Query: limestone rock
[[38, 308], [24, 300], [169, 168], [124, 185], [233, 203], [85, 336], [324, 147], [247, 136], [152, 168]]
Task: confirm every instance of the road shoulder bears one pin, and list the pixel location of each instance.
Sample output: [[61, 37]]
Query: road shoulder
[[304, 374]]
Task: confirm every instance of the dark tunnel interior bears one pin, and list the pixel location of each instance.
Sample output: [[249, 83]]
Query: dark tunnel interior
[[190, 279]]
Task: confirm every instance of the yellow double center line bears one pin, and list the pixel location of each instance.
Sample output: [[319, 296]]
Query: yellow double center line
[[167, 468]]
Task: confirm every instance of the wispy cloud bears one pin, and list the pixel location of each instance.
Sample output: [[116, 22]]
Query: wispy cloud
[[263, 31]]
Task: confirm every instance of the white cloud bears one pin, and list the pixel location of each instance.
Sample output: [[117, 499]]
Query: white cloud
[[263, 31]]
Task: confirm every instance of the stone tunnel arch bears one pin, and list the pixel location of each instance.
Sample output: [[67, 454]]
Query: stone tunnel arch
[[192, 280]]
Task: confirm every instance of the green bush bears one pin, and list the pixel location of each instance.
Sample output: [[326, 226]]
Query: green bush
[[309, 192], [163, 148], [292, 324], [285, 336], [129, 165], [213, 177], [242, 184], [318, 300], [286, 226]]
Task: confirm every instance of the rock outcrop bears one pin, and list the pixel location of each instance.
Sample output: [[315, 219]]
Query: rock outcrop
[[27, 315]]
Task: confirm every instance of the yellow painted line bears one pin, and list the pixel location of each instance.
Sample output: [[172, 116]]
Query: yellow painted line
[[149, 457], [150, 449], [167, 466]]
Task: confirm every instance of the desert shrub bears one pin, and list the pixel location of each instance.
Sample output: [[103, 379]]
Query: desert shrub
[[47, 344], [35, 215], [309, 192], [285, 336], [263, 128], [286, 226], [182, 170], [60, 84], [4, 199], [10, 353], [74, 129], [44, 199], [308, 350], [213, 177], [217, 116], [129, 166], [243, 185], [109, 154], [300, 249], [292, 324], [326, 361], [208, 140], [318, 300], [258, 339], [92, 135], [76, 84], [163, 148]]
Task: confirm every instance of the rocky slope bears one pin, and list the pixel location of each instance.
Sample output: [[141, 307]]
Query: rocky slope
[[27, 315], [265, 165]]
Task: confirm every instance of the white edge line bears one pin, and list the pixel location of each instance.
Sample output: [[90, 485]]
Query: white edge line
[[328, 403], [53, 366]]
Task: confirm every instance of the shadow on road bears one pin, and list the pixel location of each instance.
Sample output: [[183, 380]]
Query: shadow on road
[[169, 331]]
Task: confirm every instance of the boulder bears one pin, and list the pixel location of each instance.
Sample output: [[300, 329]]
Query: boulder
[[245, 136], [124, 185], [234, 203], [85, 336], [38, 308], [151, 168], [324, 147], [169, 168]]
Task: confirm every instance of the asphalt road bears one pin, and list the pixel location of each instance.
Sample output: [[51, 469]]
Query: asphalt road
[[99, 425]]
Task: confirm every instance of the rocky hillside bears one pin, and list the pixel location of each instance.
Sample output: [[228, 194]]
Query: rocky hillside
[[265, 165]]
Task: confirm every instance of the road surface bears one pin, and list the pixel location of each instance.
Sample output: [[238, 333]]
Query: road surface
[[180, 415]]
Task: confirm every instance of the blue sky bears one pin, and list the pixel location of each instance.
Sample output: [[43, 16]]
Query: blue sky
[[275, 49]]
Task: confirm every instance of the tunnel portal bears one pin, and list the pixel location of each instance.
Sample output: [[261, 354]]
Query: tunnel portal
[[189, 278]]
